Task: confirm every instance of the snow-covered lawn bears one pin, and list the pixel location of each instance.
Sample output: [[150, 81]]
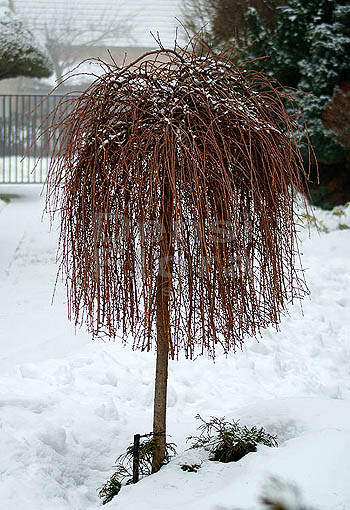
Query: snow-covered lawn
[[69, 406]]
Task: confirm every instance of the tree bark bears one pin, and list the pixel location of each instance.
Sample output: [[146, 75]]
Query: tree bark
[[163, 291]]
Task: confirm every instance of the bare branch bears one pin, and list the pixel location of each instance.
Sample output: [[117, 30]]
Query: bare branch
[[175, 177], [61, 33]]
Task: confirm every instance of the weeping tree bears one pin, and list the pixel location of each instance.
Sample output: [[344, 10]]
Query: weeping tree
[[175, 179]]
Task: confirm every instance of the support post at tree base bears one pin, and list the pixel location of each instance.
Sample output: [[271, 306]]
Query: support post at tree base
[[136, 459]]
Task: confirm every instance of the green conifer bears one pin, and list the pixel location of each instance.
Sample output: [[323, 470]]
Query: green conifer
[[308, 49], [19, 54]]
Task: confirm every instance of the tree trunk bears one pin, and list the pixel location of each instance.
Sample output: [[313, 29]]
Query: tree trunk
[[163, 327]]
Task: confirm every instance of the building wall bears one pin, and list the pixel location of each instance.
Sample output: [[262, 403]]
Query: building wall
[[142, 16]]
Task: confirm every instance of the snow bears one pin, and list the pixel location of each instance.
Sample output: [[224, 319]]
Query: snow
[[140, 16], [69, 405], [2, 204], [16, 40], [16, 169]]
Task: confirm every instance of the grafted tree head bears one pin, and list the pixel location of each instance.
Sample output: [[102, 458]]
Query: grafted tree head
[[212, 146]]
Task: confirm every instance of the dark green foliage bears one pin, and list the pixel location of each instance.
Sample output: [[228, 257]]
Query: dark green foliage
[[110, 489], [280, 495], [123, 473], [19, 55], [190, 468], [307, 45], [334, 188], [7, 197], [223, 21], [229, 441], [308, 49]]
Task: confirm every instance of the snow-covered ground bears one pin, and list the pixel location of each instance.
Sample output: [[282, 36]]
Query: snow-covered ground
[[69, 406]]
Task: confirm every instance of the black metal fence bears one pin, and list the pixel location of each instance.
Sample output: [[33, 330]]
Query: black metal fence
[[23, 161]]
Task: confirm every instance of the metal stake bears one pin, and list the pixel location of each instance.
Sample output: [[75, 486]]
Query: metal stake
[[136, 460]]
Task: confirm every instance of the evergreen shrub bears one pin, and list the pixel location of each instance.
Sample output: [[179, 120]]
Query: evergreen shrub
[[228, 441], [124, 466], [308, 49]]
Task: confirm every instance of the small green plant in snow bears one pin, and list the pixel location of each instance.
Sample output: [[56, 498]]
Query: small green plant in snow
[[124, 464], [228, 441]]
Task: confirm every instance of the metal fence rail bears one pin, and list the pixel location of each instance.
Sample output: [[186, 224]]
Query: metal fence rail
[[21, 160]]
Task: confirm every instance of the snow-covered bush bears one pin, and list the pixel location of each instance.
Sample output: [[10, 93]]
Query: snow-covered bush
[[309, 49], [228, 441], [338, 218], [19, 54]]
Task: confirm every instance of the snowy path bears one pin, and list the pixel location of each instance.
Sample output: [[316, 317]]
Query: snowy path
[[29, 326], [69, 406]]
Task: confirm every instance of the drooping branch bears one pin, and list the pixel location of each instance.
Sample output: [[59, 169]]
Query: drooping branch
[[222, 137], [66, 35]]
